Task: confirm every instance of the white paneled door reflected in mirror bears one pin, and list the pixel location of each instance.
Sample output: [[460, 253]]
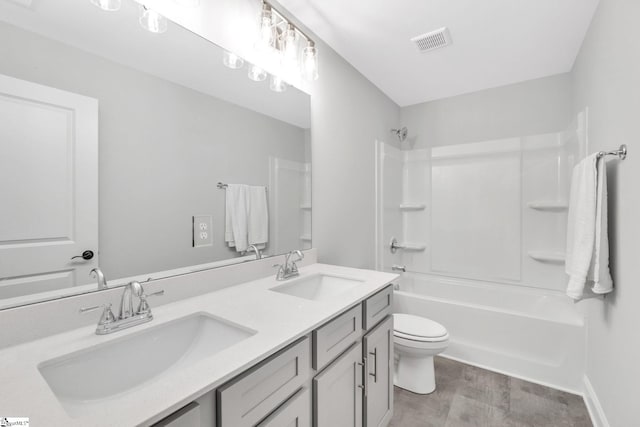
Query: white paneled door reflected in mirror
[[112, 143]]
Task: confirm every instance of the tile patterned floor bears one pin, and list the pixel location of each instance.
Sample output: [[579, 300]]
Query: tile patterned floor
[[467, 396]]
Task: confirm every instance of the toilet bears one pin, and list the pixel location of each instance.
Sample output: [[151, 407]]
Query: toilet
[[417, 340]]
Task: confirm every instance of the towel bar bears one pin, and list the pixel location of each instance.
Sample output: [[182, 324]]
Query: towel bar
[[620, 152]]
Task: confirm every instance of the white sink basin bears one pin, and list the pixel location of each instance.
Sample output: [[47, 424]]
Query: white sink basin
[[121, 365], [318, 287]]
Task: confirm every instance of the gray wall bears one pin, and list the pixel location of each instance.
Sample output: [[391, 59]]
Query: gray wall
[[162, 150], [607, 80], [529, 108], [348, 114]]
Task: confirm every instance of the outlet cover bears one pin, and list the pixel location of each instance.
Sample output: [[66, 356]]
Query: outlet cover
[[201, 231]]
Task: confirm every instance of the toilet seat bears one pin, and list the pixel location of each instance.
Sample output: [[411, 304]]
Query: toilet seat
[[418, 329]]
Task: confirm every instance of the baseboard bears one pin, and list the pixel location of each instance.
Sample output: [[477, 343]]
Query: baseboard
[[598, 418]]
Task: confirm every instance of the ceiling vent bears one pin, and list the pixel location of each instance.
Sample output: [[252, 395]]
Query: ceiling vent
[[433, 40]]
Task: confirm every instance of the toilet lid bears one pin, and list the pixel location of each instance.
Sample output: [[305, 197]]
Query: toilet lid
[[416, 326]]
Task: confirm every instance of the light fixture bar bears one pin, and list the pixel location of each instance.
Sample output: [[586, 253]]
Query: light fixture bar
[[283, 19]]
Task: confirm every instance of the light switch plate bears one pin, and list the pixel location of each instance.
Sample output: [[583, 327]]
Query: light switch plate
[[202, 233]]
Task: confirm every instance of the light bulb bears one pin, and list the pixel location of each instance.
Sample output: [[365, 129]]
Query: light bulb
[[232, 60], [256, 73], [267, 36], [310, 62], [277, 84], [152, 21], [109, 5], [290, 44]]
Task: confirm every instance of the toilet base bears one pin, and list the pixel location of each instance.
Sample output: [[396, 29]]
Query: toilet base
[[415, 374]]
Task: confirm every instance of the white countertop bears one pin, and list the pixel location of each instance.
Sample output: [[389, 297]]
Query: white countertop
[[279, 319]]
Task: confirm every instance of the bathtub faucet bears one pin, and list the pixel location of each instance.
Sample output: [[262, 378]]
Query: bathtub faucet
[[396, 267]]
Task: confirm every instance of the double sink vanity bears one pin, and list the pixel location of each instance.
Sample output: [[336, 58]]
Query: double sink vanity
[[316, 349]]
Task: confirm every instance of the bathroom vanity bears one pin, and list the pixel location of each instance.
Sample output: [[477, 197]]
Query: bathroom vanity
[[312, 350]]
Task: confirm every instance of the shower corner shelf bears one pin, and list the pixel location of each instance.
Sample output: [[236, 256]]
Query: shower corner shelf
[[553, 257], [549, 205], [305, 206], [305, 237], [413, 207]]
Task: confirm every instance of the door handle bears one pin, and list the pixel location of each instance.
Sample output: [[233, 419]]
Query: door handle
[[374, 353], [86, 255], [365, 369]]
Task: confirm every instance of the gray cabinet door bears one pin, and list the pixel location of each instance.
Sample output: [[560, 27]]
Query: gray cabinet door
[[378, 400], [337, 392], [295, 412]]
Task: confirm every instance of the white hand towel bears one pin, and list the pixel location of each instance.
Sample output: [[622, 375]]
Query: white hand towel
[[236, 221], [599, 272], [587, 256], [258, 228]]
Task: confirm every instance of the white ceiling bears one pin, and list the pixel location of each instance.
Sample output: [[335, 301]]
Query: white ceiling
[[495, 42], [177, 55]]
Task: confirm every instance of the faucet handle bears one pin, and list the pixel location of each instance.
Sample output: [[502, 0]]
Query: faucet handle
[[143, 307], [107, 315]]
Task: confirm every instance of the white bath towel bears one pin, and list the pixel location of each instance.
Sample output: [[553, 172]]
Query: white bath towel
[[587, 255], [236, 220], [258, 217]]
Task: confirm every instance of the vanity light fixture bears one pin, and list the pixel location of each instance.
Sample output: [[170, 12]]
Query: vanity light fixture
[[310, 62], [256, 73], [152, 21], [277, 84], [284, 38], [267, 28], [281, 40], [108, 5], [232, 60]]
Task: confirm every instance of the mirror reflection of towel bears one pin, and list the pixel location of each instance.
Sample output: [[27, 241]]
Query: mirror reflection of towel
[[258, 228], [246, 217]]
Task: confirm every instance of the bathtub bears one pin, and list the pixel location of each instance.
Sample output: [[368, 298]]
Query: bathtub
[[527, 333]]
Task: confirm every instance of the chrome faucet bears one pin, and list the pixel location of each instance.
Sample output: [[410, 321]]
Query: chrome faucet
[[396, 267], [99, 275], [126, 301], [289, 269], [254, 249], [127, 316]]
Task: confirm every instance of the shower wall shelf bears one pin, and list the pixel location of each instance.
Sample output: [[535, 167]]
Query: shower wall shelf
[[305, 237], [305, 206], [549, 205], [553, 257], [412, 207]]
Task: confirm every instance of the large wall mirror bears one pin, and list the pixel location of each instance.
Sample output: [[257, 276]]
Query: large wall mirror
[[114, 140]]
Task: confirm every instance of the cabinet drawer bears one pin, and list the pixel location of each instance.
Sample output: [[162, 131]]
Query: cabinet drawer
[[377, 307], [294, 412], [336, 336], [246, 400]]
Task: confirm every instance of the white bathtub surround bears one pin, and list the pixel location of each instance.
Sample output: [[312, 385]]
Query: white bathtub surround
[[526, 333], [587, 230], [277, 319], [417, 340]]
